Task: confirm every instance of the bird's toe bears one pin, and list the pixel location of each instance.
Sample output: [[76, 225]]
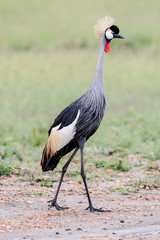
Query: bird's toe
[[92, 209], [53, 203]]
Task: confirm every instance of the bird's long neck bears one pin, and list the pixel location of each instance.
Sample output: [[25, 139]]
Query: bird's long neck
[[98, 81]]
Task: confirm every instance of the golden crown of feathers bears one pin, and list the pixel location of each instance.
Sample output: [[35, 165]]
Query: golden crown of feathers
[[101, 25]]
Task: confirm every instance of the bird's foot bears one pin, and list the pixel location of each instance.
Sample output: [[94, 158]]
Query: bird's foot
[[92, 209], [53, 203]]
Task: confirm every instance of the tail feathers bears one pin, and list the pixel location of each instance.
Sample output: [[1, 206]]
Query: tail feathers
[[50, 148], [44, 156], [49, 162]]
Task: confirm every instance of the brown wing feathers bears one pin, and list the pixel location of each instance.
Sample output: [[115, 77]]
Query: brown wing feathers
[[51, 146]]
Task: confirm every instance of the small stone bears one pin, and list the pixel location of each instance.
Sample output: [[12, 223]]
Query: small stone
[[121, 221], [109, 170]]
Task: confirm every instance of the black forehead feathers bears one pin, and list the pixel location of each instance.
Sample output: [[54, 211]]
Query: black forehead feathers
[[115, 29]]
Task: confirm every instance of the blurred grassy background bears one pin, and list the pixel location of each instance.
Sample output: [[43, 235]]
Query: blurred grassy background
[[48, 56]]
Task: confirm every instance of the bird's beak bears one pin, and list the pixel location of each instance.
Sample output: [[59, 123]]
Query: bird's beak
[[117, 36]]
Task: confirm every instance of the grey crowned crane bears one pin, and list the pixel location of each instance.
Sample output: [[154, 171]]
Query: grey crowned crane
[[81, 119]]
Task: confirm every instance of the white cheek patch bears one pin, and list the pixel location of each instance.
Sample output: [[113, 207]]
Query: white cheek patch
[[109, 35]]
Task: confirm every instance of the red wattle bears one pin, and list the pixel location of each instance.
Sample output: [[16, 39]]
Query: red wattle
[[107, 47]]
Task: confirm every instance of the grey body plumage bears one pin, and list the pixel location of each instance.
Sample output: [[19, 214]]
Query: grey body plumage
[[92, 105], [80, 120]]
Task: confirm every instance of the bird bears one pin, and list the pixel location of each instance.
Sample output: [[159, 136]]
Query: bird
[[81, 119]]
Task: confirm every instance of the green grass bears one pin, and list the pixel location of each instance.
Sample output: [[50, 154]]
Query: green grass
[[5, 169], [146, 183], [44, 181], [119, 165], [48, 57], [47, 182], [149, 181], [35, 193], [125, 190]]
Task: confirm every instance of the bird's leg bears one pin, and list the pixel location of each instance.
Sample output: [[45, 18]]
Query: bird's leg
[[92, 209], [53, 202]]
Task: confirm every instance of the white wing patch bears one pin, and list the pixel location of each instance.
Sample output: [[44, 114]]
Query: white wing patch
[[60, 138]]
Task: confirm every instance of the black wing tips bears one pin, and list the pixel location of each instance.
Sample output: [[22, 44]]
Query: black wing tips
[[50, 148], [50, 156], [47, 154], [44, 157], [48, 162]]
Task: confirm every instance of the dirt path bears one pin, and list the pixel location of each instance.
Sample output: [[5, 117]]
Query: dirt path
[[24, 213]]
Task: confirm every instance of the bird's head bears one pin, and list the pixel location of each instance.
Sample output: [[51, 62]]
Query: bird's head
[[105, 28]]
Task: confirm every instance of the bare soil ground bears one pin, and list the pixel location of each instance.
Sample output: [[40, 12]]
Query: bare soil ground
[[24, 212]]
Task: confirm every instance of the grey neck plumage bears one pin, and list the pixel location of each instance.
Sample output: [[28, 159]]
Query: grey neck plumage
[[98, 81]]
